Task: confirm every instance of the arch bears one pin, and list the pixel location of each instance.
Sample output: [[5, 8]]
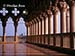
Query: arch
[[10, 32], [21, 27]]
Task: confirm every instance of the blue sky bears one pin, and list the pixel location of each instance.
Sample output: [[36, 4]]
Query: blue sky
[[21, 29]]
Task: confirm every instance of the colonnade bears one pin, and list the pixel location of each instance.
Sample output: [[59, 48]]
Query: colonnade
[[4, 22], [45, 29]]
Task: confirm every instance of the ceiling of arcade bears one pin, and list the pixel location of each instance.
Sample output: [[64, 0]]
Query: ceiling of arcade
[[31, 8]]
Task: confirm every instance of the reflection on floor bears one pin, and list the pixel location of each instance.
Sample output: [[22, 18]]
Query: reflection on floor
[[23, 49]]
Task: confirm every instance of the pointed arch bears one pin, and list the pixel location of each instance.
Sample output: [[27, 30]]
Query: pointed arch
[[10, 26], [9, 29], [21, 27]]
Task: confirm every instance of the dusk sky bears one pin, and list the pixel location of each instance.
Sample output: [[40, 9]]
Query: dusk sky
[[21, 29]]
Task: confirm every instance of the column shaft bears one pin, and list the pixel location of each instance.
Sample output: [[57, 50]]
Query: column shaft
[[72, 23], [15, 33], [3, 34]]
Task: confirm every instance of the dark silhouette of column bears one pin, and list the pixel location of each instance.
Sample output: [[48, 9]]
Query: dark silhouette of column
[[27, 31], [3, 34], [15, 19], [15, 25], [4, 19]]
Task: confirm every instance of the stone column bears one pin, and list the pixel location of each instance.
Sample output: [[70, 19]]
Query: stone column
[[38, 29], [3, 38], [63, 11], [15, 25], [45, 28], [4, 25], [68, 20], [30, 29], [56, 22], [30, 38], [34, 31], [65, 39], [72, 24], [41, 29], [72, 14], [35, 38], [56, 25], [27, 31], [49, 12]]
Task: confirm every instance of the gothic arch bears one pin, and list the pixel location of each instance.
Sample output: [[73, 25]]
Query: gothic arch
[[21, 27]]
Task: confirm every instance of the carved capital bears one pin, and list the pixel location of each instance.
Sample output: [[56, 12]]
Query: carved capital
[[30, 23], [41, 17], [73, 3], [38, 19], [49, 12], [55, 10], [26, 23], [35, 20], [45, 15], [63, 6]]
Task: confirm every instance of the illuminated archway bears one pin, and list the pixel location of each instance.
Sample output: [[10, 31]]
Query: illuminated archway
[[21, 29], [10, 29]]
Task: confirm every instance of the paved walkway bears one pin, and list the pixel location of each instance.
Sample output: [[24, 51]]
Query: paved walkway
[[26, 50]]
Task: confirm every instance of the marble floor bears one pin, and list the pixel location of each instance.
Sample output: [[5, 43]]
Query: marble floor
[[24, 49]]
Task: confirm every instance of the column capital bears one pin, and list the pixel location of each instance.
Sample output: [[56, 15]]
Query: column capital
[[49, 12], [41, 17], [26, 23], [31, 22], [35, 20], [63, 6], [45, 15], [4, 20], [72, 3], [55, 10], [38, 19], [16, 22]]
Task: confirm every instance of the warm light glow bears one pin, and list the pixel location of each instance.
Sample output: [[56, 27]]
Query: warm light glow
[[24, 12]]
